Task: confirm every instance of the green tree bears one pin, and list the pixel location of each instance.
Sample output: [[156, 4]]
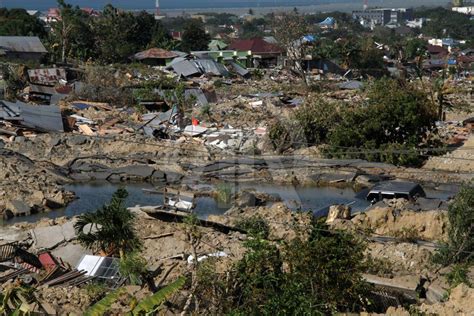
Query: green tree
[[161, 37], [194, 36], [110, 229], [72, 35], [322, 275], [121, 34], [17, 22], [392, 126], [460, 245]]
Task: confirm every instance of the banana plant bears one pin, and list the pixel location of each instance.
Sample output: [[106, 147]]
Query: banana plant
[[150, 304], [147, 306], [104, 304]]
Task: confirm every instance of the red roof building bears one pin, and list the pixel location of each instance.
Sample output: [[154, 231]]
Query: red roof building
[[257, 46]]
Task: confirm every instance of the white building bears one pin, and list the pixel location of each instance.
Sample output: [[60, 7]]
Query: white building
[[465, 10]]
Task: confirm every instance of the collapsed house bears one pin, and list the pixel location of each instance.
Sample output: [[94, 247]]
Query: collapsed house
[[18, 116], [21, 48]]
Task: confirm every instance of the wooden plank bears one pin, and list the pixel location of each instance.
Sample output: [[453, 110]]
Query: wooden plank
[[85, 129]]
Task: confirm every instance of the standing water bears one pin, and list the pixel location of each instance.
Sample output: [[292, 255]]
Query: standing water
[[93, 195]]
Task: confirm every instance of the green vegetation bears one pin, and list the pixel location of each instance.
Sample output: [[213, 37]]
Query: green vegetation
[[308, 275], [254, 226], [113, 37], [133, 266], [102, 306], [224, 192], [458, 275], [446, 23], [460, 245], [17, 22], [110, 229], [150, 304], [392, 126], [194, 37]]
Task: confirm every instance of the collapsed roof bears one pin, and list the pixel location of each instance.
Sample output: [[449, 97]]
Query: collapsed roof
[[45, 118]]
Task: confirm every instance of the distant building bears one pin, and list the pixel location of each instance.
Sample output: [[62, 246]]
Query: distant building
[[155, 57], [469, 10], [265, 54], [177, 35], [21, 48], [373, 17]]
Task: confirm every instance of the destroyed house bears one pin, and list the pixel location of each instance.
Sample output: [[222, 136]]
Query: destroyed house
[[42, 118], [21, 48], [155, 57]]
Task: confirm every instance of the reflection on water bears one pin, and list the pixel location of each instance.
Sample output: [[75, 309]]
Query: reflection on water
[[93, 195]]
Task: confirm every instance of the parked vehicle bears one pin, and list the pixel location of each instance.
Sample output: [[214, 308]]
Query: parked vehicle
[[395, 190]]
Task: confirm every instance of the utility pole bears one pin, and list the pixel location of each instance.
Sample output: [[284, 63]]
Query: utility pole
[[157, 8]]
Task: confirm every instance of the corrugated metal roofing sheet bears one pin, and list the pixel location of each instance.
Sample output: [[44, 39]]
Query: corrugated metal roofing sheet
[[209, 66], [22, 44], [40, 117], [185, 68]]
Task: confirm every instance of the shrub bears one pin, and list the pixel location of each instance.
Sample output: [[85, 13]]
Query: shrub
[[255, 226], [391, 127], [460, 243], [458, 275]]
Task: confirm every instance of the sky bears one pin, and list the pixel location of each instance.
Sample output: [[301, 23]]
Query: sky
[[187, 4]]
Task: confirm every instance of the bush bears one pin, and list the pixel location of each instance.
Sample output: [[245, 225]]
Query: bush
[[317, 119], [132, 266], [460, 243], [316, 279], [458, 275], [391, 127], [255, 226]]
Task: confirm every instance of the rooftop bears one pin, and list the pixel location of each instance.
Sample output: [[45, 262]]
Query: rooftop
[[256, 45], [154, 53], [22, 44]]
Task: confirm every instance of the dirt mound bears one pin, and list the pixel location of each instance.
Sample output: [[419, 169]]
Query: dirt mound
[[282, 221], [461, 302], [387, 221]]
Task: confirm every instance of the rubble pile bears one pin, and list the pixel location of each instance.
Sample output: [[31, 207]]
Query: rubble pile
[[28, 187], [387, 221]]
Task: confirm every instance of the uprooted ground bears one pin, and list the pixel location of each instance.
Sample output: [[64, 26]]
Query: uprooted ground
[[166, 250]]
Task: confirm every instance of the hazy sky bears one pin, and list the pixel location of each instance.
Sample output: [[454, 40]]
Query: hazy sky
[[182, 4]]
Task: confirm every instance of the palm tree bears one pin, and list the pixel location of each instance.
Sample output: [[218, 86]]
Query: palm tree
[[110, 228]]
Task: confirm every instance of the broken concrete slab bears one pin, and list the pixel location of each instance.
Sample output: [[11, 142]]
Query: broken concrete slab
[[50, 237], [18, 208], [71, 253], [142, 171]]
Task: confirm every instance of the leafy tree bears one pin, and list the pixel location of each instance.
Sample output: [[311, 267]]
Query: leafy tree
[[460, 245], [322, 275], [110, 229], [194, 36], [71, 35], [17, 22], [161, 38], [391, 127], [446, 23], [121, 34]]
